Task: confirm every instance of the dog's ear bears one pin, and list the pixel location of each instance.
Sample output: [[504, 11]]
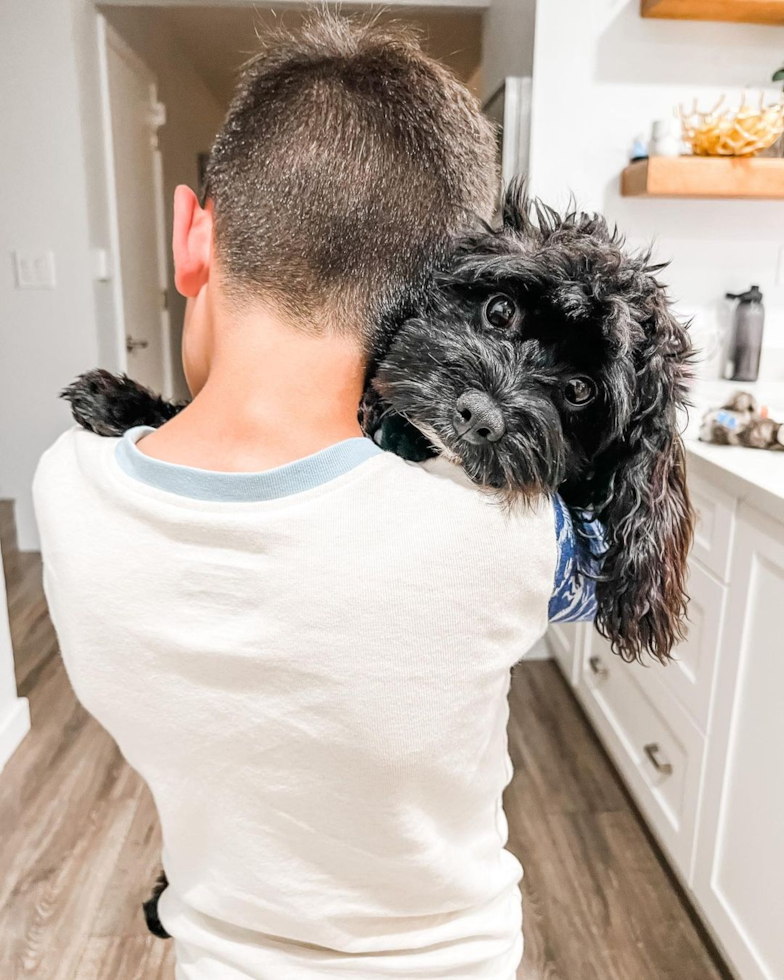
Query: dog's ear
[[645, 508]]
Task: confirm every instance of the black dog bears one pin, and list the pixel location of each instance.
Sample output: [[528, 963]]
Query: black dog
[[546, 358]]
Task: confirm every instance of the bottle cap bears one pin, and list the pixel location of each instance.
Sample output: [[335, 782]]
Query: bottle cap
[[753, 295]]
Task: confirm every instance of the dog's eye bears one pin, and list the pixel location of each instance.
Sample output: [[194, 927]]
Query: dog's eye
[[579, 391], [499, 311]]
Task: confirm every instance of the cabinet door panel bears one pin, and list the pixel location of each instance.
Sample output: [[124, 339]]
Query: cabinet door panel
[[690, 674], [715, 512], [740, 849]]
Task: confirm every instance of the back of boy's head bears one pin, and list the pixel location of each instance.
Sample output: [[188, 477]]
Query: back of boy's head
[[347, 160]]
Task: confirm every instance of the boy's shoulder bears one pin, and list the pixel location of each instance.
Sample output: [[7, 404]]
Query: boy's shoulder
[[70, 451], [75, 441], [445, 485]]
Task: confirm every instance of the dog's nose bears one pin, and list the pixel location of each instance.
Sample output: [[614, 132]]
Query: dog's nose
[[477, 418]]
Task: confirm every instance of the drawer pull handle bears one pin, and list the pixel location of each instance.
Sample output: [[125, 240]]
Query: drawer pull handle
[[596, 665], [652, 750]]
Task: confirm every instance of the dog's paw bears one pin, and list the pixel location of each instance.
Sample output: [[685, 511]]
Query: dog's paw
[[398, 436], [110, 404], [150, 908]]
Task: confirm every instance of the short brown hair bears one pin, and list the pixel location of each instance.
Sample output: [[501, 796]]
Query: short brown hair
[[347, 160]]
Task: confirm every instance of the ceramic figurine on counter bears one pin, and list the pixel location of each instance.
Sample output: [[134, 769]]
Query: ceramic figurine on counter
[[740, 423]]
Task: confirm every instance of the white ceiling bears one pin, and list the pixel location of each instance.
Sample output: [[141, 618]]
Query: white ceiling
[[219, 39]]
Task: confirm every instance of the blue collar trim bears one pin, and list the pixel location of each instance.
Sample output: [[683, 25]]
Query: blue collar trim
[[283, 481]]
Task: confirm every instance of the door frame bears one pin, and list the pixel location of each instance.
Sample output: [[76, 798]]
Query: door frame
[[108, 37]]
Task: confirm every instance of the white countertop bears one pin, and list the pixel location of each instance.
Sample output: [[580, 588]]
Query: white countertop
[[752, 475]]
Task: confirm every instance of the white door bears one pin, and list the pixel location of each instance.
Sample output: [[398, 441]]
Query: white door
[[134, 116], [740, 841]]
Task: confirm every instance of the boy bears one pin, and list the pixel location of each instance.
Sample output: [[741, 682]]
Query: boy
[[302, 643]]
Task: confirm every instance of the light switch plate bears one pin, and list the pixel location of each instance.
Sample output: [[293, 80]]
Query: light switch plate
[[34, 270]]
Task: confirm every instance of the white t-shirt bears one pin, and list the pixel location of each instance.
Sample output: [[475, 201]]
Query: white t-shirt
[[311, 674]]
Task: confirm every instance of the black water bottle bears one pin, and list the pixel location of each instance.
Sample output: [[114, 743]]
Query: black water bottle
[[743, 357]]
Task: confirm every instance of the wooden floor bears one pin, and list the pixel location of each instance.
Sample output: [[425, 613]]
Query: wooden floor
[[79, 840]]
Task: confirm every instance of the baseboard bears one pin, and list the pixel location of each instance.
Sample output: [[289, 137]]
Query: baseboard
[[14, 725], [9, 541]]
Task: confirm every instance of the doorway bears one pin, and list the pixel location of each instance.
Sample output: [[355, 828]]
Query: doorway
[[133, 116]]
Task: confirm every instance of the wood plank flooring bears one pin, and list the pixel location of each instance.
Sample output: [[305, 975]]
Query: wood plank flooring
[[79, 840]]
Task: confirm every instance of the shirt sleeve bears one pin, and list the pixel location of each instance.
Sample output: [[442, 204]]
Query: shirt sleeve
[[580, 545]]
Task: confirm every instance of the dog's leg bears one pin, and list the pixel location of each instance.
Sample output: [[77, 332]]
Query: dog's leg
[[398, 436], [150, 907], [110, 404], [391, 431]]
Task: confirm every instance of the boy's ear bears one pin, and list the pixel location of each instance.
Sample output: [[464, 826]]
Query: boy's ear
[[191, 241]]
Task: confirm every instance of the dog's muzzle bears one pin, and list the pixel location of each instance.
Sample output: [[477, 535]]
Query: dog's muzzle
[[477, 418]]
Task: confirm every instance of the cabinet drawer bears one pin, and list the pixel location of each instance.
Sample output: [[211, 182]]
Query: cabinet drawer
[[715, 523], [655, 745], [690, 673]]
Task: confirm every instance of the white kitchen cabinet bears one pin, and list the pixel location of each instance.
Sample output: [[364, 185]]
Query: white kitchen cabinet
[[700, 743], [655, 744], [565, 642], [715, 522], [690, 674], [740, 846]]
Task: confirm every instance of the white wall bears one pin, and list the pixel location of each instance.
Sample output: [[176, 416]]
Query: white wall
[[46, 336], [54, 198], [507, 42], [193, 116], [601, 75]]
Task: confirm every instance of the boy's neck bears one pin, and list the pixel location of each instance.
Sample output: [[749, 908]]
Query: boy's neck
[[272, 395]]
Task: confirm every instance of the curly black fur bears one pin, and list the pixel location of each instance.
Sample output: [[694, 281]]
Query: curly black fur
[[585, 307]]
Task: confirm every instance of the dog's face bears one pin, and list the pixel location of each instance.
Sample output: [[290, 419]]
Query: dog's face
[[506, 376], [523, 366], [547, 358]]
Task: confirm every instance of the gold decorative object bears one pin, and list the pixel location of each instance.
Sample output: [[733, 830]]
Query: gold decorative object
[[726, 132]]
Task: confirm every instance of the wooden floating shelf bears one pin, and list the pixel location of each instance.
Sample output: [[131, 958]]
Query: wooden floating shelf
[[728, 177], [739, 11]]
